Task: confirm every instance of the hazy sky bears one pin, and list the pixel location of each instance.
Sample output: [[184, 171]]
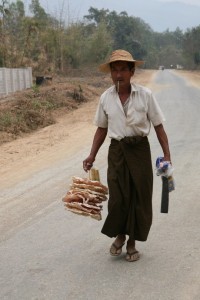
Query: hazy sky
[[195, 2], [159, 14]]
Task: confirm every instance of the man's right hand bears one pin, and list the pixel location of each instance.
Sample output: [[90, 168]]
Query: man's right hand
[[88, 163]]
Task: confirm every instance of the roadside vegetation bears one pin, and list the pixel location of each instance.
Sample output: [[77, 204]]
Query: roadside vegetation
[[55, 45]]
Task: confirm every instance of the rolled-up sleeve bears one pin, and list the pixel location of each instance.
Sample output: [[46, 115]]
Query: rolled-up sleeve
[[154, 113]]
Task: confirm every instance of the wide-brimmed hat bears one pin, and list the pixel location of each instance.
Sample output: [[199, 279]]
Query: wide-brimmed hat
[[119, 55]]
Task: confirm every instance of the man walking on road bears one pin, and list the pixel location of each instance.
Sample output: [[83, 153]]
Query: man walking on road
[[125, 112]]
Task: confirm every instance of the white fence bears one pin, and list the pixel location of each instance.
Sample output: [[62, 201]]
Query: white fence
[[12, 80]]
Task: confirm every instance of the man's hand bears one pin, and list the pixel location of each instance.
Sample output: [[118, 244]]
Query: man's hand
[[88, 163]]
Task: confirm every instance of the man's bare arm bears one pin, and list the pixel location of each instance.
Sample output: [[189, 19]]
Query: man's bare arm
[[163, 140], [98, 140]]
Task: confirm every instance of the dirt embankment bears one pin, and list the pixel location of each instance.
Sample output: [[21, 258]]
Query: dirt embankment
[[27, 111]]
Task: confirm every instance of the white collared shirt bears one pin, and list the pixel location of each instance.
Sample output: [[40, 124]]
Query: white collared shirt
[[143, 110]]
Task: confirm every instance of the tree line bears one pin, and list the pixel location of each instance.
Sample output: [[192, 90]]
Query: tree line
[[47, 44]]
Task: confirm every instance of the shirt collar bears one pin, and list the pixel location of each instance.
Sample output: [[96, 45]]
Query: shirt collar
[[134, 88]]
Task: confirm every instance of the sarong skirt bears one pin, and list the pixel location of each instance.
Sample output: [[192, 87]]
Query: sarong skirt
[[130, 183]]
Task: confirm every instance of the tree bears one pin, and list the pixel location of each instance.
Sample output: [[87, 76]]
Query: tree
[[15, 29], [98, 16], [191, 46], [39, 13], [99, 44], [4, 11], [127, 32]]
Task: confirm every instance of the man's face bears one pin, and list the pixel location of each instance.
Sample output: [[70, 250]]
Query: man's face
[[120, 72]]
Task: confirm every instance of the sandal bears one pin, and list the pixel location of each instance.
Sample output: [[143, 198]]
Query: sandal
[[117, 249], [132, 256]]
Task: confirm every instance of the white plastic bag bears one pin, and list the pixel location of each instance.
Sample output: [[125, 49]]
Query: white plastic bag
[[164, 168]]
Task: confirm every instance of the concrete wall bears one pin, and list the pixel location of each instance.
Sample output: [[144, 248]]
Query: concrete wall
[[12, 80]]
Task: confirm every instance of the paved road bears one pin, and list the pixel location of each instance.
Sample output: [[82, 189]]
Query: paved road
[[51, 254]]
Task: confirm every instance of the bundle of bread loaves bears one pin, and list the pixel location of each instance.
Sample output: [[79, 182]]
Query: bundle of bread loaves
[[85, 196]]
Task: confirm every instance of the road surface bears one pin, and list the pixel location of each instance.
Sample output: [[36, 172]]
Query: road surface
[[51, 254]]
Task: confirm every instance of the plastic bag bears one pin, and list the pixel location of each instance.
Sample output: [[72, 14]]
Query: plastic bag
[[165, 169]]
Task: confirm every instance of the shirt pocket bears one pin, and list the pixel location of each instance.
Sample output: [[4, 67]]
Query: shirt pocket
[[137, 116]]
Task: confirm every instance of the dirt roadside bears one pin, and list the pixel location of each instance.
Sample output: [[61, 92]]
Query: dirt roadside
[[193, 77], [36, 151]]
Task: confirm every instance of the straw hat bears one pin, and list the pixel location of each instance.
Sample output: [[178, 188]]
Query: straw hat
[[119, 55]]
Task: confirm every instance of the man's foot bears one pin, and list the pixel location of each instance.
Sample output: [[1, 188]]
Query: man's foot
[[116, 247], [132, 254]]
